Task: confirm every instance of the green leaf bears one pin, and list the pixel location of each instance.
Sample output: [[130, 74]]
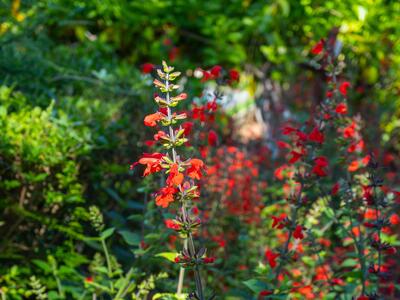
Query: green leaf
[[308, 260], [152, 237], [349, 262], [107, 233], [255, 285], [168, 255], [329, 212], [43, 265], [168, 296], [53, 295], [354, 274], [130, 237]]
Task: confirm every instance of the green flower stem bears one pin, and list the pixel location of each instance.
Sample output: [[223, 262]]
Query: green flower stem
[[108, 261], [192, 251], [59, 287], [124, 285], [181, 275]]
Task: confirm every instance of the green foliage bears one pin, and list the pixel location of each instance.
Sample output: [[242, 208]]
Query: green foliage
[[72, 99], [38, 148]]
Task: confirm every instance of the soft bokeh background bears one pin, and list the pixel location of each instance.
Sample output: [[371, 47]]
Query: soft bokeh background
[[73, 97]]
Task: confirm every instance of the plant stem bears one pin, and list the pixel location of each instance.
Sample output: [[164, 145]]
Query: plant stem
[[59, 287], [293, 220], [192, 251], [83, 295], [124, 285], [181, 275], [359, 243], [377, 215], [108, 261], [188, 244]]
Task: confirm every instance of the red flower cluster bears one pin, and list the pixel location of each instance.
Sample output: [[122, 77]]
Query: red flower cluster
[[271, 257], [233, 175], [217, 72], [156, 162]]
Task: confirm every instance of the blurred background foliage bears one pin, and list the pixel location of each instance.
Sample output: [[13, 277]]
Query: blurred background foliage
[[72, 100]]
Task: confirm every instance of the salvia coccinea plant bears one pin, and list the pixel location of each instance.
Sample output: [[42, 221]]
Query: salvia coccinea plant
[[308, 173], [181, 174], [363, 202]]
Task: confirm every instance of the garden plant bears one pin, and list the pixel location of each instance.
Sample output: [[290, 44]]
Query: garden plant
[[199, 150]]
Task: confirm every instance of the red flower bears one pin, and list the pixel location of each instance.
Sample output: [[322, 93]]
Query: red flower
[[288, 130], [271, 257], [216, 71], [368, 194], [365, 160], [341, 108], [172, 224], [147, 68], [282, 144], [203, 151], [394, 219], [208, 260], [198, 113], [149, 143], [298, 232], [316, 136], [317, 49], [212, 106], [265, 293], [174, 178], [206, 76], [295, 156], [369, 225], [89, 279], [320, 163], [391, 250], [317, 170], [234, 75], [196, 168], [350, 131], [343, 87], [160, 134], [212, 138], [278, 173], [173, 53], [278, 221], [359, 146], [335, 189], [353, 166], [163, 110], [151, 120], [152, 162], [187, 126], [337, 281], [301, 135], [165, 196], [363, 298]]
